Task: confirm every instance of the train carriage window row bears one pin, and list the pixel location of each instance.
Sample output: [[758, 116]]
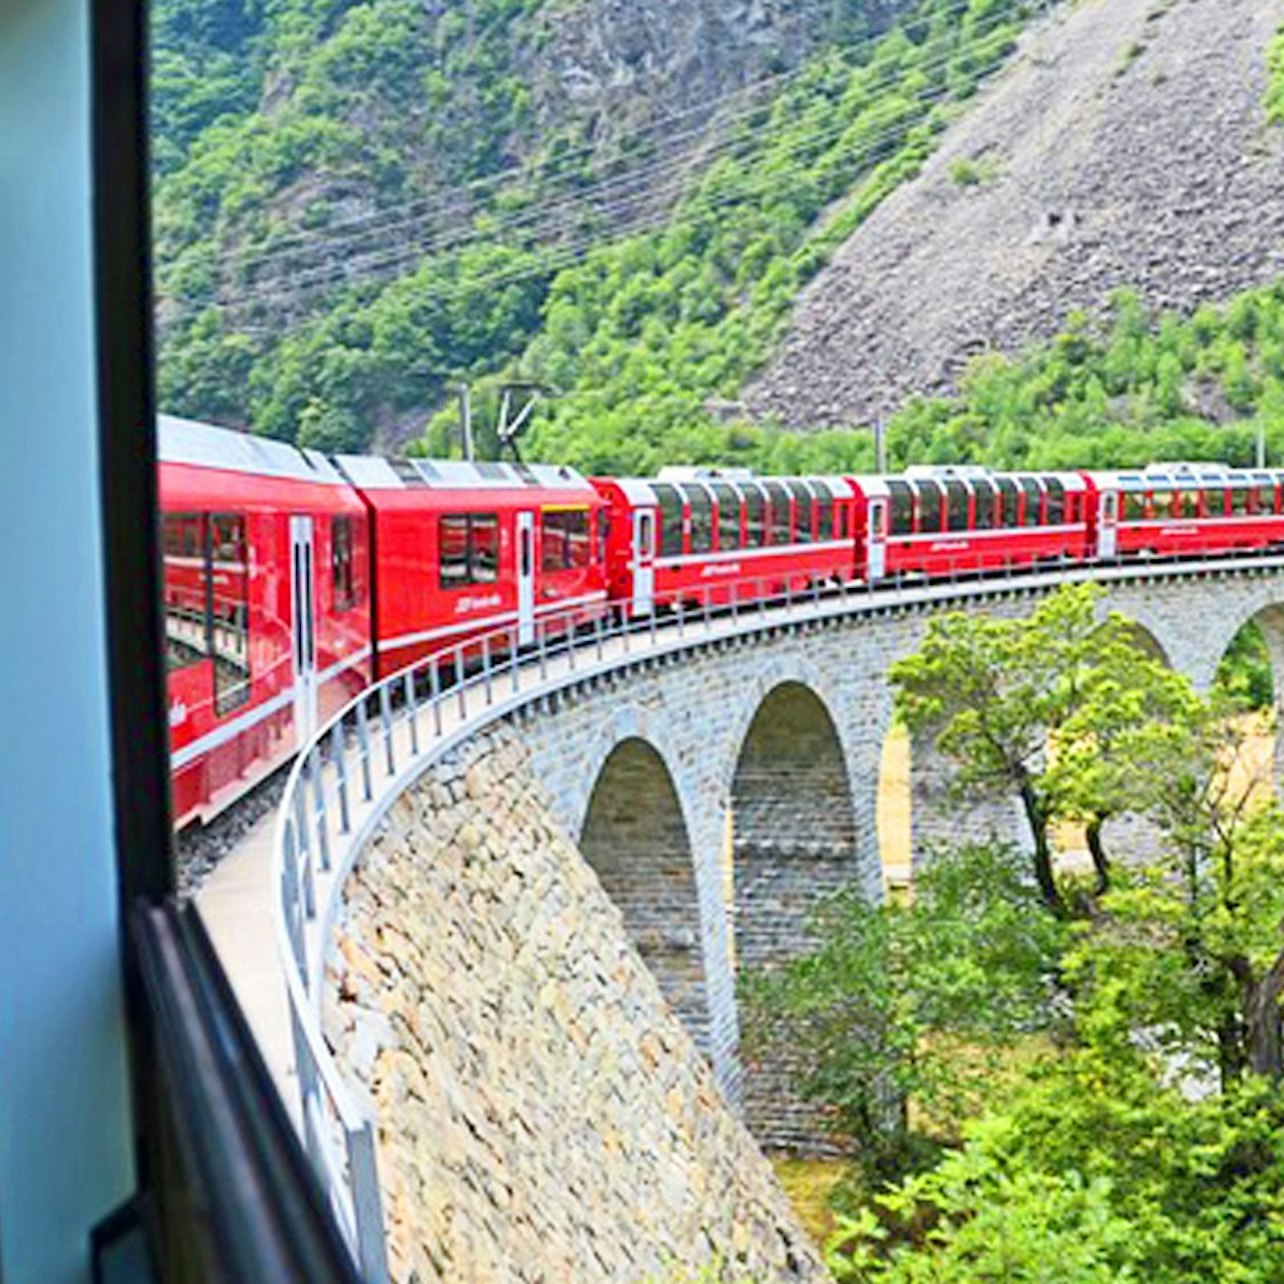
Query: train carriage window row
[[468, 549]]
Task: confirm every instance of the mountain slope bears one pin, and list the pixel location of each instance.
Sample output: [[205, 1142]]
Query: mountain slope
[[1126, 146]]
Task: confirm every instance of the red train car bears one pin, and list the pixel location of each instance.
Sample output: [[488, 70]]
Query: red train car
[[462, 549], [1170, 510], [688, 536], [267, 605], [947, 521]]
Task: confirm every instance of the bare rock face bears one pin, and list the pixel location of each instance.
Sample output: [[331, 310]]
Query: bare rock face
[[543, 1114], [1126, 146]]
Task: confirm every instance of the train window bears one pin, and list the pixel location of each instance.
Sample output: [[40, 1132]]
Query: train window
[[1033, 500], [1134, 506], [230, 608], [1239, 504], [701, 518], [187, 640], [342, 563], [984, 495], [452, 550], [603, 533], [483, 547], [1187, 504], [780, 527], [755, 516], [564, 539], [1265, 499], [825, 519], [671, 544], [1056, 503], [956, 500], [929, 506], [1008, 495], [902, 508], [467, 549], [802, 512], [728, 515]]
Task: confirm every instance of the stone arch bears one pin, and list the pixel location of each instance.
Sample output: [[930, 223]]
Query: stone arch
[[793, 827], [636, 837], [793, 838], [1268, 622], [1148, 643]]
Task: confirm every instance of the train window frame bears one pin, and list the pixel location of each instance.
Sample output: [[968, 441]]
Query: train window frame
[[1056, 502], [902, 506], [192, 543], [1188, 504], [230, 691], [700, 523], [756, 529], [474, 564], [1009, 514], [1264, 498], [958, 505], [984, 499], [671, 514], [565, 535], [1031, 490], [779, 499], [935, 509], [728, 524], [826, 511], [602, 525], [1241, 500], [804, 511], [1134, 506], [343, 583]]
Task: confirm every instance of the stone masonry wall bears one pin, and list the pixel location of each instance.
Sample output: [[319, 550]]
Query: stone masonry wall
[[543, 1116]]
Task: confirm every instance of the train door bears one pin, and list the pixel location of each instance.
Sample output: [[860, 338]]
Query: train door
[[303, 600], [643, 561], [525, 579], [1108, 525], [876, 541]]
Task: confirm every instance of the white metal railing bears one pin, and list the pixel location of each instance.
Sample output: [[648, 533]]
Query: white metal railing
[[344, 780]]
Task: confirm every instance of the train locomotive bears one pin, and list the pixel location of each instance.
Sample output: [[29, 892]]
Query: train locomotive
[[292, 579]]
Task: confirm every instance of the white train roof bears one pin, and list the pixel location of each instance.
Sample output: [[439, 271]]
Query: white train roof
[[1189, 475], [373, 472], [184, 441], [641, 490], [971, 473]]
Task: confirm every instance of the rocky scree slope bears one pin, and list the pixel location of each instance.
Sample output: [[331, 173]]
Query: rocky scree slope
[[1126, 146]]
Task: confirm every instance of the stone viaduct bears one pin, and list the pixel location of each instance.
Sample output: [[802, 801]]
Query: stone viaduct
[[719, 788]]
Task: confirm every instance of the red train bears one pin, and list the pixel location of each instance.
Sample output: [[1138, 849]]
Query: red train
[[292, 580]]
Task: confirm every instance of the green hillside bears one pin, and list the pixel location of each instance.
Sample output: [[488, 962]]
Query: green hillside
[[336, 250]]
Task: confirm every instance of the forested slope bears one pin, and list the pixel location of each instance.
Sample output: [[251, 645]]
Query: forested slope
[[1128, 147], [358, 205]]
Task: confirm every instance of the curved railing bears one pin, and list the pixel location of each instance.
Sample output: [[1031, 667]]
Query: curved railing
[[344, 780]]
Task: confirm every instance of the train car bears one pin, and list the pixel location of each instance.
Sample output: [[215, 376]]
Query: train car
[[267, 605], [1172, 510], [462, 549], [691, 538], [942, 522]]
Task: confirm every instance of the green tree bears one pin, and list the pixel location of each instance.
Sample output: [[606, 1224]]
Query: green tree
[[1045, 709]]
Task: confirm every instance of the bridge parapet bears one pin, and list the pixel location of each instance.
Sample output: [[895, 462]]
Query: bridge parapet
[[687, 692]]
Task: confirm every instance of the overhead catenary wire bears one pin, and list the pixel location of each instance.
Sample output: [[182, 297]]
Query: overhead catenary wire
[[354, 269], [532, 214], [420, 205]]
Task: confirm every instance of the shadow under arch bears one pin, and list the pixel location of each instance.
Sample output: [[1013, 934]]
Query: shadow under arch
[[636, 839], [793, 827], [793, 842]]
